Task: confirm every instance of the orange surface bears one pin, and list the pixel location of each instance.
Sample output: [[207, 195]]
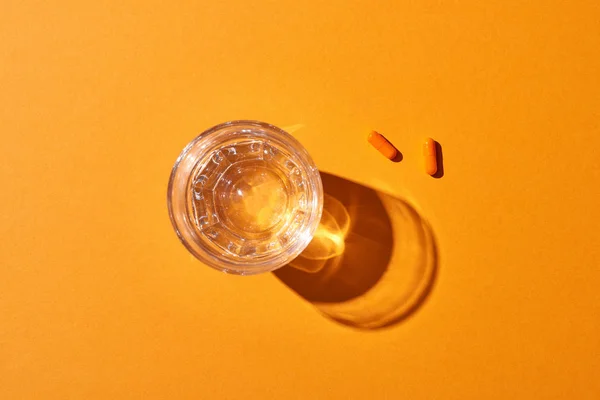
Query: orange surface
[[98, 299]]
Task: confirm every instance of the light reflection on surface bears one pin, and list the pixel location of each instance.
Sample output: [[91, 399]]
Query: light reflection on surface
[[329, 239]]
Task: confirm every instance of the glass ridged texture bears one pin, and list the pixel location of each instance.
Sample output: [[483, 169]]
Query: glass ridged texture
[[245, 197]]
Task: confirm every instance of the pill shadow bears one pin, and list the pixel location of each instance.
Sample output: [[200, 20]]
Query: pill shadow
[[372, 262], [399, 157], [439, 155]]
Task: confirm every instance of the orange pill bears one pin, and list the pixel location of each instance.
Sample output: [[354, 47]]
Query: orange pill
[[430, 156], [381, 143]]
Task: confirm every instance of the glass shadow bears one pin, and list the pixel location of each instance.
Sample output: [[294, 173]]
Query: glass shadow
[[372, 261]]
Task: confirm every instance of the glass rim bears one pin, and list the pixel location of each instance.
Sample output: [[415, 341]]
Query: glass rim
[[186, 232]]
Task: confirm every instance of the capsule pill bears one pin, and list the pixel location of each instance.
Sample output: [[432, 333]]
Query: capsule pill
[[382, 145], [430, 156]]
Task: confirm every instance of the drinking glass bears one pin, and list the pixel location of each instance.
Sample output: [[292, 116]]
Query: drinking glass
[[245, 197]]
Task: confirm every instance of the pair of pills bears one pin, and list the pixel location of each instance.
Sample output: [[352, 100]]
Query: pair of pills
[[388, 150]]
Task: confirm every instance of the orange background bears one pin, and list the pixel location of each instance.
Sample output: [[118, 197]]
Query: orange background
[[99, 300]]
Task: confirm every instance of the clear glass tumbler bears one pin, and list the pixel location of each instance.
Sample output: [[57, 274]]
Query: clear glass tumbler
[[245, 197]]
